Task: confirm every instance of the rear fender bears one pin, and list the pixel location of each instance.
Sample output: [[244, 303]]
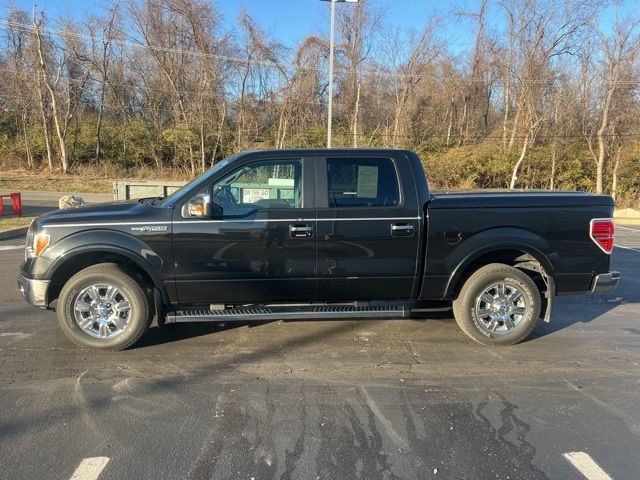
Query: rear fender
[[495, 240]]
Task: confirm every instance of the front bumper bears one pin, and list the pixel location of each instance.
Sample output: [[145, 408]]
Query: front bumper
[[605, 282], [33, 291]]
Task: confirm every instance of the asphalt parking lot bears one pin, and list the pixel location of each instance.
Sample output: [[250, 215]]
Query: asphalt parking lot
[[403, 399]]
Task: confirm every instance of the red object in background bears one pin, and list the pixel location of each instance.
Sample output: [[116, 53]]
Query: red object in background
[[16, 204]]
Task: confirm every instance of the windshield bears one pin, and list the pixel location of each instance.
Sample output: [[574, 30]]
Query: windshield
[[169, 200]]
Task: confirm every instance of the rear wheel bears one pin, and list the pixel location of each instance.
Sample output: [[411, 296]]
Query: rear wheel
[[103, 307], [498, 305]]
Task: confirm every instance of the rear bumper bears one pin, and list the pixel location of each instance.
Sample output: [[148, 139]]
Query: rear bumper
[[33, 291], [605, 282]]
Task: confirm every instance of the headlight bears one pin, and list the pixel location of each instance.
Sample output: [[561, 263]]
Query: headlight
[[37, 244]]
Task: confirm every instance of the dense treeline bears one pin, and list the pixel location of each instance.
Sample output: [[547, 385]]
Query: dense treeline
[[545, 97]]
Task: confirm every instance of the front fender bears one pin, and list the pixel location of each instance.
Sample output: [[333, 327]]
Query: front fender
[[494, 240], [102, 240]]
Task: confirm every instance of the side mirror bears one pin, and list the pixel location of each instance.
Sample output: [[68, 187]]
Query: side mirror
[[198, 207]]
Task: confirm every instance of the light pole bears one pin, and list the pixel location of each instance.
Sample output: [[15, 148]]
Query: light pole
[[331, 48]]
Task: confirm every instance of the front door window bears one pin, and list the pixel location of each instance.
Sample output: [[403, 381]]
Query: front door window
[[264, 185]]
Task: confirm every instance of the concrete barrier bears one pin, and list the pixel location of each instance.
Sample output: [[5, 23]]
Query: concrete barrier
[[131, 190]]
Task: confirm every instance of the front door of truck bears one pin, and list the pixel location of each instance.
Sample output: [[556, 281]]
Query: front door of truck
[[260, 243], [368, 228]]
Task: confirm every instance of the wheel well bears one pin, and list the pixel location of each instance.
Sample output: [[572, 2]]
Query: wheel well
[[516, 258], [72, 266]]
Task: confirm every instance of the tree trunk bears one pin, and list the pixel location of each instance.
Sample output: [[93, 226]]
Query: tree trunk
[[463, 122], [54, 104], [284, 130], [356, 114], [203, 156], [451, 112], [523, 154], [514, 129], [219, 135], [241, 114], [45, 128], [192, 164], [614, 175], [282, 122], [26, 141], [601, 145], [99, 123], [401, 101], [505, 118], [554, 157], [506, 73]]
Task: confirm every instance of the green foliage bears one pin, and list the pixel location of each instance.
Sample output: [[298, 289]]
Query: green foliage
[[177, 142], [136, 149], [477, 166], [629, 178], [138, 144]]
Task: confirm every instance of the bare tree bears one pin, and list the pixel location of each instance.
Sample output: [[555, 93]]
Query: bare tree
[[539, 98], [620, 48], [50, 71], [357, 28]]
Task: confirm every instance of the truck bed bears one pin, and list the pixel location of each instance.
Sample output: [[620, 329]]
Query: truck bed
[[516, 199]]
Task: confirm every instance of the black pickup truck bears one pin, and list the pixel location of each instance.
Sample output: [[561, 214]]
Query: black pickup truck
[[309, 234]]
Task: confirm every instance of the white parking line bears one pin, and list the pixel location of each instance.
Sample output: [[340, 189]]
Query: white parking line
[[90, 468], [586, 466]]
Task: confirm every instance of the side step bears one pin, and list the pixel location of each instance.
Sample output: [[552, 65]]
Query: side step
[[327, 312]]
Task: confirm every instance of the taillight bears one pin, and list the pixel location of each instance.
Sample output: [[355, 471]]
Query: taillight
[[602, 231]]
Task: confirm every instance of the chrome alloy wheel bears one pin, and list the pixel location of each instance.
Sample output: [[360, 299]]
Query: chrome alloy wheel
[[500, 308], [102, 311]]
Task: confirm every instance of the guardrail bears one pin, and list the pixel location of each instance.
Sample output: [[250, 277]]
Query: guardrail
[[15, 203]]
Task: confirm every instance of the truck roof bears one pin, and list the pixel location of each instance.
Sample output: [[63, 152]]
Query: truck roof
[[324, 150]]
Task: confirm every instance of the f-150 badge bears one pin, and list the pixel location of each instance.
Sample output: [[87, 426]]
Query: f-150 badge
[[150, 228]]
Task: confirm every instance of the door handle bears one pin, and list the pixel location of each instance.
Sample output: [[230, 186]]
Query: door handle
[[402, 230], [300, 231]]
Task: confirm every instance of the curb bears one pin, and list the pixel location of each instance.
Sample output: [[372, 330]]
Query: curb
[[14, 233], [626, 214]]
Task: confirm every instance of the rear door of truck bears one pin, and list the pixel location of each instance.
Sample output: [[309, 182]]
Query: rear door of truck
[[368, 226]]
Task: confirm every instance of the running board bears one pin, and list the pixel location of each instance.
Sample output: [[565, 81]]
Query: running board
[[244, 314]]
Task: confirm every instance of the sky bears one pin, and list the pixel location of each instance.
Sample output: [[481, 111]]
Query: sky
[[289, 21]]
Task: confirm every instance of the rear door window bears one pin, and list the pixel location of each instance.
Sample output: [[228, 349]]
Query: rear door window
[[362, 182]]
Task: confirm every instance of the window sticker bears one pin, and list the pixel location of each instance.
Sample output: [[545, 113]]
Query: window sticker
[[252, 195], [367, 181]]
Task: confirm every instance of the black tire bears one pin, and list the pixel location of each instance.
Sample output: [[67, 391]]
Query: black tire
[[139, 315], [464, 307]]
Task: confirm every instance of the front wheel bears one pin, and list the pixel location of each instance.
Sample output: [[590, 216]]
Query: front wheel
[[103, 307], [498, 305]]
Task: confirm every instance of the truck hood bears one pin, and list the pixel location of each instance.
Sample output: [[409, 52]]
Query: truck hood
[[123, 211]]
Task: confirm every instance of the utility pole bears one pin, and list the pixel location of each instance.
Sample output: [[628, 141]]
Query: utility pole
[[331, 55], [331, 48]]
